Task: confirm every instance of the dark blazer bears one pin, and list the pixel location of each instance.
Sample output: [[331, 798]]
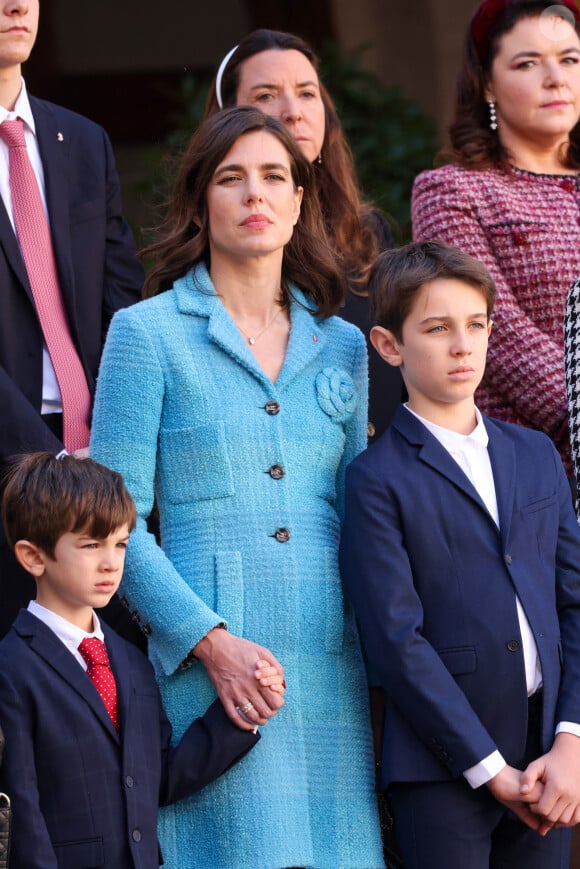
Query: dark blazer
[[98, 272], [82, 795], [433, 583]]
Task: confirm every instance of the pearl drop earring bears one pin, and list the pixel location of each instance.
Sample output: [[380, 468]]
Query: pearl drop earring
[[492, 115]]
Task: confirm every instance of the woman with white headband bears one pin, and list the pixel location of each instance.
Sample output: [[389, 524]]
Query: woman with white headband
[[278, 73]]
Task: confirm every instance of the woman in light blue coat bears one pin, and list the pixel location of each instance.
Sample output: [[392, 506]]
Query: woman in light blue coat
[[235, 400]]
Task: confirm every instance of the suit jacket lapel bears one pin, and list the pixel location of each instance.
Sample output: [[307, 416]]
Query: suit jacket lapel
[[435, 455], [119, 659], [503, 462], [55, 654]]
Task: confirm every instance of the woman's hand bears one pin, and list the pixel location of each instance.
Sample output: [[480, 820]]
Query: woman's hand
[[232, 663]]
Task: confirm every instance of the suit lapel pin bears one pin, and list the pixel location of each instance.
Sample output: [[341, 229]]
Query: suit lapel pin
[[60, 137]]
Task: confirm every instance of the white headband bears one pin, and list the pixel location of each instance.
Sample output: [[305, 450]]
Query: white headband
[[219, 76]]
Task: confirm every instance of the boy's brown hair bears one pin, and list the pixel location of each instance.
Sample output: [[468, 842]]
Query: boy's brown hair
[[45, 497], [398, 275]]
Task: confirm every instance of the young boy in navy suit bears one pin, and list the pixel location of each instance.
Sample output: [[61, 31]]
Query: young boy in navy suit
[[461, 554], [88, 756]]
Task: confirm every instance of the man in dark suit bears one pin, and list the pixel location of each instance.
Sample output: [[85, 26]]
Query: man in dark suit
[[97, 269], [88, 756], [461, 554]]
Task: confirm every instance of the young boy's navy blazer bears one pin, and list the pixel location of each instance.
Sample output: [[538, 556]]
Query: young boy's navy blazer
[[82, 794], [434, 582]]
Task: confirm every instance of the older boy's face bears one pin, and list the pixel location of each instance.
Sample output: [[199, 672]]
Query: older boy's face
[[18, 28], [84, 573], [442, 356]]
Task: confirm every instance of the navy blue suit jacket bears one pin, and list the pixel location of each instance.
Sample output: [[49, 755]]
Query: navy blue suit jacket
[[84, 796], [98, 272], [97, 267], [433, 582]]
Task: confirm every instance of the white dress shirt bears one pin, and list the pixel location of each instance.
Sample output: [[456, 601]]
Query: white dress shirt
[[69, 634]]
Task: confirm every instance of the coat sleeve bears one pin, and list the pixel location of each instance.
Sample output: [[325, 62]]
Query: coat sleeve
[[207, 749], [126, 424], [443, 210], [31, 847], [379, 581]]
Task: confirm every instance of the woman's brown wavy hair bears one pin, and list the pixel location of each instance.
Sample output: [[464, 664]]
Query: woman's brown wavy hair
[[308, 258]]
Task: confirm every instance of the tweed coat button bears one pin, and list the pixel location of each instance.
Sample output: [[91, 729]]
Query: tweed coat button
[[146, 630], [272, 408], [276, 472], [371, 430], [282, 535], [513, 645], [508, 558], [136, 835]]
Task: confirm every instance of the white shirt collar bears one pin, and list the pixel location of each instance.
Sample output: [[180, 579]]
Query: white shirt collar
[[67, 633], [21, 110], [453, 440]]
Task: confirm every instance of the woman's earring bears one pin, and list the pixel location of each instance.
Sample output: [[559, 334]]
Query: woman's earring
[[319, 158], [492, 115]]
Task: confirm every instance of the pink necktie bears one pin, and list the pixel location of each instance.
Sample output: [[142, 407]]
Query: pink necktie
[[33, 234], [99, 670]]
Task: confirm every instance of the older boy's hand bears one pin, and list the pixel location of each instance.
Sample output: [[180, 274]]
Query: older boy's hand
[[231, 665], [506, 788], [559, 772]]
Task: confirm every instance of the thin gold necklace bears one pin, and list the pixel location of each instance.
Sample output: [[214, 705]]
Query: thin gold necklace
[[251, 339]]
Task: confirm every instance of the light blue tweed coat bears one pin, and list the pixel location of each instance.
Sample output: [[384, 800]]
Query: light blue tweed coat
[[181, 412]]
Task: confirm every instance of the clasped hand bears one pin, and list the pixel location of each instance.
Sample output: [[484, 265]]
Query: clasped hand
[[247, 677], [547, 793]]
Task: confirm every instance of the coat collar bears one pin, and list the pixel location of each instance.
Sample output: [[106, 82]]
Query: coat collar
[[196, 296], [501, 454], [46, 644]]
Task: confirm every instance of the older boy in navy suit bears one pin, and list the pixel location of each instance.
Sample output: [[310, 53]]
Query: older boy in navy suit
[[461, 554], [88, 755]]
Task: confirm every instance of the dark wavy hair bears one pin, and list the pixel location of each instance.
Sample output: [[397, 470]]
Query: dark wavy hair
[[473, 144], [349, 220], [308, 258]]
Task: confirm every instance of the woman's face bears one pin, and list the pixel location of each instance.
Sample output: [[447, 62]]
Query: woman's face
[[252, 202], [283, 83], [535, 83]]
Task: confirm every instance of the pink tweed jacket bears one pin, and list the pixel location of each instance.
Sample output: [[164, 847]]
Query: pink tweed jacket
[[526, 229]]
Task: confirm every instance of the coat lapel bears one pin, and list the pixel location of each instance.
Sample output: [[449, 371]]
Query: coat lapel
[[55, 654], [196, 295]]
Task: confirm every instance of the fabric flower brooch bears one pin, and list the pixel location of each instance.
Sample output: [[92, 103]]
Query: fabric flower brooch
[[336, 393]]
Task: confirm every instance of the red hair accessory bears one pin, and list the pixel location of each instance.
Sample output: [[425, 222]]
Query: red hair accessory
[[489, 13]]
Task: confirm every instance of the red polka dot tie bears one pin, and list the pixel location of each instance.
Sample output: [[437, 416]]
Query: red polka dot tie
[[99, 670], [35, 242]]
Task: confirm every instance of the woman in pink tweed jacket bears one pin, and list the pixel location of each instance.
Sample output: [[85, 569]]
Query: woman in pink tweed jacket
[[511, 198]]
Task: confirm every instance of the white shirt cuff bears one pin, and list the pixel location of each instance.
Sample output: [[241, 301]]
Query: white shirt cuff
[[568, 727], [485, 770]]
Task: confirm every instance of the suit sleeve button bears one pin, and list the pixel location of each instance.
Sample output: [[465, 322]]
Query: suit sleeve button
[[282, 535], [272, 408], [513, 645], [276, 472], [136, 835]]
